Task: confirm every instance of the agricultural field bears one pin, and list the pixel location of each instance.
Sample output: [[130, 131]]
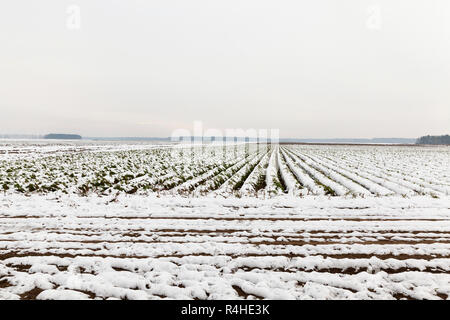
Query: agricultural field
[[244, 221]]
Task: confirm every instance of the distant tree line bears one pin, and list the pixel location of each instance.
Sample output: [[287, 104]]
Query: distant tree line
[[20, 136], [62, 136], [434, 140]]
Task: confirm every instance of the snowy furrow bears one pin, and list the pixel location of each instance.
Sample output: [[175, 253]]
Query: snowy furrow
[[192, 278], [369, 185], [397, 188], [398, 185], [295, 264], [352, 186], [336, 188], [258, 176], [302, 177], [230, 184], [216, 181], [434, 174], [210, 245], [416, 184], [292, 185], [272, 182], [257, 226], [191, 184], [424, 170], [399, 180]]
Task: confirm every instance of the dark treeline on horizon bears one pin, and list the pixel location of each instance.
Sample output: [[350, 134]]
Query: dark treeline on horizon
[[434, 140]]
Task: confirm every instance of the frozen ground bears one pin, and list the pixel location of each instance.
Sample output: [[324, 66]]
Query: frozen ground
[[66, 247], [124, 221]]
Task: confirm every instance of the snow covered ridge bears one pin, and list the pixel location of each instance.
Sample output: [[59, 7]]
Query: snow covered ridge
[[59, 246], [232, 171]]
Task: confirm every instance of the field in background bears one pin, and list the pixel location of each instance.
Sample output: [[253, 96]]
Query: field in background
[[141, 221], [232, 170]]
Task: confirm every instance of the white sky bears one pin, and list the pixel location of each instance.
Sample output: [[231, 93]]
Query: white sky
[[313, 69]]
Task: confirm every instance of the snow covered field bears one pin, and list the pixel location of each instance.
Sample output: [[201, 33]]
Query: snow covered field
[[279, 222]]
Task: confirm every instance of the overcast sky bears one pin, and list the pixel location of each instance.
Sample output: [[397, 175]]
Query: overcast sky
[[313, 69]]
